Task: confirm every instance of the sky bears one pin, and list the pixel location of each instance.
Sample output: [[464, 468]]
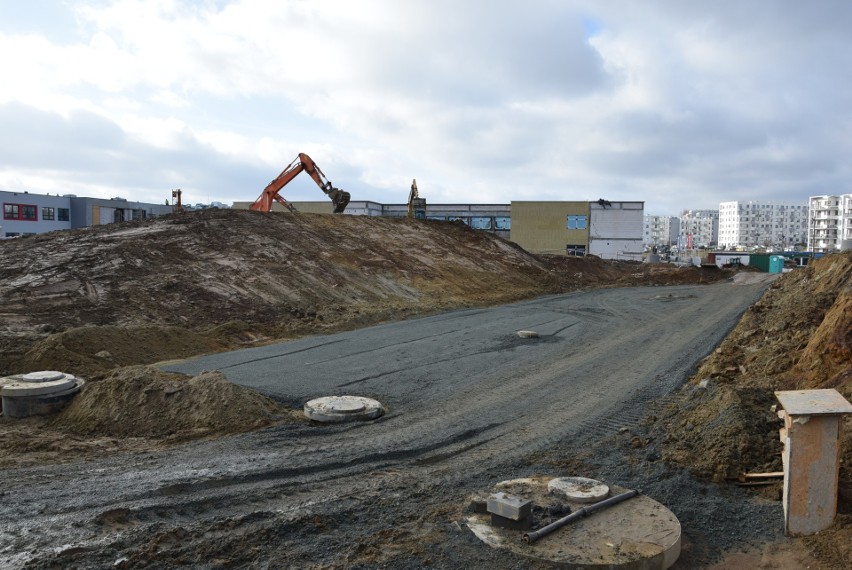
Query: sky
[[682, 104]]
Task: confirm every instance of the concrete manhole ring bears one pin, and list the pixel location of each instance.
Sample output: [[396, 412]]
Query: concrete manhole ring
[[15, 387], [527, 334], [635, 533], [578, 489], [37, 393], [338, 409], [43, 376]]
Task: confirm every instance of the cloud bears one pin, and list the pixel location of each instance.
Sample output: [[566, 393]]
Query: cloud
[[681, 104]]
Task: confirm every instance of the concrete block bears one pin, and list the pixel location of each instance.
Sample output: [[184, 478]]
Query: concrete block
[[511, 524], [509, 507], [479, 505]]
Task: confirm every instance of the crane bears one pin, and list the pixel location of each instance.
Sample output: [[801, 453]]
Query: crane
[[339, 198]]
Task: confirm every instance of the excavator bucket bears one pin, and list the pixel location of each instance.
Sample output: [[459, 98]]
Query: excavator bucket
[[339, 199]]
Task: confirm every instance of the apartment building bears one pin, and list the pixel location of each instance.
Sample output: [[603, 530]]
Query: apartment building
[[660, 231], [773, 225], [698, 228], [830, 223]]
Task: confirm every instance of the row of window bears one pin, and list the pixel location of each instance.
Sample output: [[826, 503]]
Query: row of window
[[479, 222], [28, 212]]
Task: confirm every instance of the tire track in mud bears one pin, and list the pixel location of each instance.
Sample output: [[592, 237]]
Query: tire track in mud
[[622, 352]]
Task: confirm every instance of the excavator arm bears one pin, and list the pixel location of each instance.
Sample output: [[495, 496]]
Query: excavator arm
[[303, 162]]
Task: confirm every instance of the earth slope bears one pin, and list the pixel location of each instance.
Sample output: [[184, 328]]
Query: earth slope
[[145, 291]]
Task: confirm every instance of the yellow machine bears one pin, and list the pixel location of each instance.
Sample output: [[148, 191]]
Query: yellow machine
[[416, 204]]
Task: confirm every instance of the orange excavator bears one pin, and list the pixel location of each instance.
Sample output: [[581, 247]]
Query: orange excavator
[[339, 198]]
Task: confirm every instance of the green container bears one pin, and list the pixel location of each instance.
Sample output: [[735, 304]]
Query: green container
[[766, 262], [759, 261]]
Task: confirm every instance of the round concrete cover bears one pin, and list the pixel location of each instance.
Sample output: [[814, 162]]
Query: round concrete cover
[[338, 409], [578, 489], [637, 534], [43, 376], [20, 389]]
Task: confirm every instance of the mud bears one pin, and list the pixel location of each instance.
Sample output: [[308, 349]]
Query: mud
[[100, 302], [150, 290]]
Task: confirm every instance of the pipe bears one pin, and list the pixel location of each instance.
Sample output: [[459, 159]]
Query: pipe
[[532, 537]]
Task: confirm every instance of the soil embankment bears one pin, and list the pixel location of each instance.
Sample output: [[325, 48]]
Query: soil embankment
[[140, 292], [95, 300], [99, 302]]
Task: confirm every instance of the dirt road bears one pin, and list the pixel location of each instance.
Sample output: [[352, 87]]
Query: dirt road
[[469, 403]]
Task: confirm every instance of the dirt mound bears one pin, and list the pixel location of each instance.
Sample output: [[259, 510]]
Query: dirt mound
[[91, 350], [798, 336], [721, 429], [595, 272], [142, 401], [189, 284], [138, 408]]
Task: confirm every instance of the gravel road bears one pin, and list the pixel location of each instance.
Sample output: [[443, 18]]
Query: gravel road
[[469, 403]]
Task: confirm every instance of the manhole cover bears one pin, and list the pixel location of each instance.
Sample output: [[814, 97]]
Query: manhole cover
[[578, 489], [43, 376], [337, 409], [15, 386]]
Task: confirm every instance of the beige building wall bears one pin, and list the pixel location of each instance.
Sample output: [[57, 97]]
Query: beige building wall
[[305, 207], [542, 227]]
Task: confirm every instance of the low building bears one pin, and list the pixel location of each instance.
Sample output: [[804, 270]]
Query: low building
[[611, 230], [495, 218], [551, 227], [25, 213], [615, 229]]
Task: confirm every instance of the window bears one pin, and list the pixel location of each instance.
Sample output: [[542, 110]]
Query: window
[[576, 222], [48, 213], [480, 223], [63, 214], [503, 223], [579, 250], [20, 212]]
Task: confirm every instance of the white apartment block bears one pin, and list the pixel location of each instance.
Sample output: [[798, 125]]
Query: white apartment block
[[773, 225], [698, 228], [830, 223], [660, 230]]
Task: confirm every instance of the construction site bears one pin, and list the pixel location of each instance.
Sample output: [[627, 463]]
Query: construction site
[[193, 351]]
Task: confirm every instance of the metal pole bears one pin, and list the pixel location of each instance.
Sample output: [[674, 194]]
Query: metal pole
[[532, 537]]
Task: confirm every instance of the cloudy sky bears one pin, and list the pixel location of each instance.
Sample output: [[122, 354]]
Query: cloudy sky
[[678, 103]]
